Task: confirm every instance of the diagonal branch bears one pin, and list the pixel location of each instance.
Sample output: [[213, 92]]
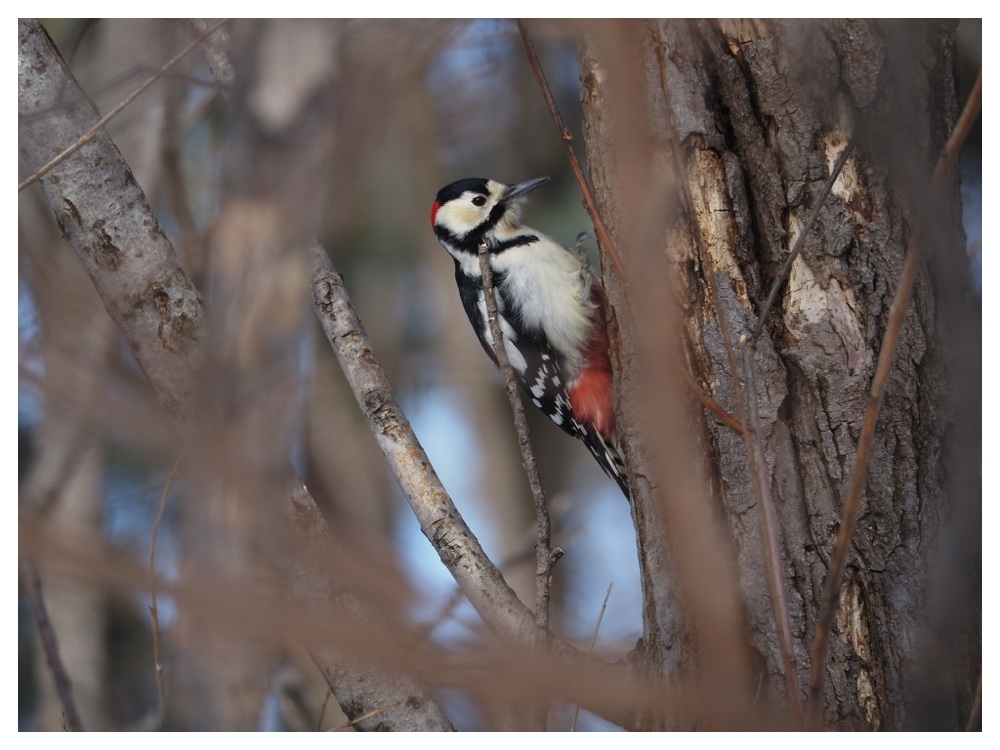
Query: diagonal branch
[[770, 539], [800, 241], [603, 236], [98, 126], [444, 527], [859, 473], [50, 646]]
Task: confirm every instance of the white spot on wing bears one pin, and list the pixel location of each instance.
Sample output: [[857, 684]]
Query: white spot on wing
[[517, 360]]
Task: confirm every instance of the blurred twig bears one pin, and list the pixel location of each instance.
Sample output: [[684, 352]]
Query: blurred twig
[[724, 418], [859, 473], [749, 429], [505, 674], [976, 714], [564, 135], [110, 225], [50, 646], [771, 540], [322, 710], [545, 556], [370, 714], [99, 125], [707, 401], [153, 611], [590, 649]]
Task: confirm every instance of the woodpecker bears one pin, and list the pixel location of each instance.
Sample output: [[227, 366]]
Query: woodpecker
[[550, 308]]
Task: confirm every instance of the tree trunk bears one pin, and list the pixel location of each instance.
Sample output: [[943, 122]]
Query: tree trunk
[[709, 145]]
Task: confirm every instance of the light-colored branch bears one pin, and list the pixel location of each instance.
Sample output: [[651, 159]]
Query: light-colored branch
[[131, 262], [98, 126], [456, 545]]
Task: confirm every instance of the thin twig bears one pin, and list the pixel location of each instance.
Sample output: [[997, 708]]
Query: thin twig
[[890, 341], [189, 237], [153, 611], [770, 538], [322, 709], [544, 557], [370, 714], [99, 125], [722, 416], [800, 241], [521, 550], [589, 204], [590, 649], [976, 714], [50, 646]]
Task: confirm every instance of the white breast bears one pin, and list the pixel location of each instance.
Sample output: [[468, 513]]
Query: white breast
[[553, 287]]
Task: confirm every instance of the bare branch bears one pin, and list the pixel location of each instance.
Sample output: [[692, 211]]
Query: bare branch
[[456, 545], [859, 473], [130, 260], [544, 556], [603, 236], [50, 646], [770, 538], [154, 615], [92, 132], [117, 238]]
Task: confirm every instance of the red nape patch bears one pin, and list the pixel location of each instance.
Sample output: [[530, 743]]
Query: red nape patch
[[434, 212]]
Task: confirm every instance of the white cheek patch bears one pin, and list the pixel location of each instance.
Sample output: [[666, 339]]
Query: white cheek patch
[[460, 216]]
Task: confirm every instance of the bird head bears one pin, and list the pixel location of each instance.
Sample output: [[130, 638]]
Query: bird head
[[470, 210]]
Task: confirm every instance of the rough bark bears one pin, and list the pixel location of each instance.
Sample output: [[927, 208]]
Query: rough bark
[[742, 122]]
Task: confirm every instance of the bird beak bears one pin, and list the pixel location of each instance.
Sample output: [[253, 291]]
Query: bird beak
[[515, 191]]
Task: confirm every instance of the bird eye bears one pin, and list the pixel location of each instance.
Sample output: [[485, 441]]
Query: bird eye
[[479, 200]]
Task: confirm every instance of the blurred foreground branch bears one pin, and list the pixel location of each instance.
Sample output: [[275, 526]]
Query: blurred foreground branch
[[117, 238], [887, 353]]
